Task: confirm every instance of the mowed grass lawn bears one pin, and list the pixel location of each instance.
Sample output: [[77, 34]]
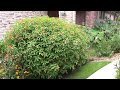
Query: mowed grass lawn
[[87, 70]]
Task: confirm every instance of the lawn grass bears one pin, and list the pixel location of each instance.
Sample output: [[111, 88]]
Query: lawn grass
[[87, 70]]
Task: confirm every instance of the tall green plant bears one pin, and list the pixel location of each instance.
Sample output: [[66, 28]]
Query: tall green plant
[[107, 38]]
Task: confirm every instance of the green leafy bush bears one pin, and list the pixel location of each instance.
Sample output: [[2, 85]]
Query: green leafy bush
[[100, 44], [103, 25], [116, 43], [106, 45], [43, 47], [103, 48], [108, 38]]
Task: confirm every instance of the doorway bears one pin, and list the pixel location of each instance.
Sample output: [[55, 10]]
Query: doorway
[[53, 13]]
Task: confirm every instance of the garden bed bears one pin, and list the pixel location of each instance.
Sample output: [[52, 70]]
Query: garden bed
[[112, 58]]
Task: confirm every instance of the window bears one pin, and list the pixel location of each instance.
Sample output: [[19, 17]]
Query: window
[[101, 14]]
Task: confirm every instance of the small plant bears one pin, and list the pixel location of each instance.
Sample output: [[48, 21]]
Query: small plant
[[118, 74], [118, 70], [102, 25]]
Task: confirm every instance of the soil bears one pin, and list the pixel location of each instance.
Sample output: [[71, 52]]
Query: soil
[[116, 56]]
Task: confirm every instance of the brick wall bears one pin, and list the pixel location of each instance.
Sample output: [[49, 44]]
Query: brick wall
[[9, 17], [90, 18]]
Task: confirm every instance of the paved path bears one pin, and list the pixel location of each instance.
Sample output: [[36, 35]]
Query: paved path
[[107, 72]]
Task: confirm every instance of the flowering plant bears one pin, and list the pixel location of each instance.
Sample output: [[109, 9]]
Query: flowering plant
[[43, 47]]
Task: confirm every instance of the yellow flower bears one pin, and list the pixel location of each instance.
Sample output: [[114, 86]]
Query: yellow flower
[[26, 72], [17, 73], [18, 77]]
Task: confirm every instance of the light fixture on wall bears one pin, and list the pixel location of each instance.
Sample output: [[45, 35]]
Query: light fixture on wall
[[63, 13]]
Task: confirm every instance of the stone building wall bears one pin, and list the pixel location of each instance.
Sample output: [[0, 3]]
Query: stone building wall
[[9, 17], [70, 16]]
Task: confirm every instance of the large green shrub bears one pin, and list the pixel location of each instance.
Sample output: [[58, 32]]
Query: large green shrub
[[43, 47]]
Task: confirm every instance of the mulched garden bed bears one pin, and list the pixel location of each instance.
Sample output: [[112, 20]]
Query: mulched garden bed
[[116, 56]]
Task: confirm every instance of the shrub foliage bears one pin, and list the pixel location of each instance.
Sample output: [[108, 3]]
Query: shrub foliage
[[43, 47], [107, 41]]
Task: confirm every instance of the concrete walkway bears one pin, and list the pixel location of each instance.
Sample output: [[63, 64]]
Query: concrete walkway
[[107, 72]]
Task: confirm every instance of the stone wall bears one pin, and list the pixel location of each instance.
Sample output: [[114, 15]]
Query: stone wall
[[70, 16], [9, 17]]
